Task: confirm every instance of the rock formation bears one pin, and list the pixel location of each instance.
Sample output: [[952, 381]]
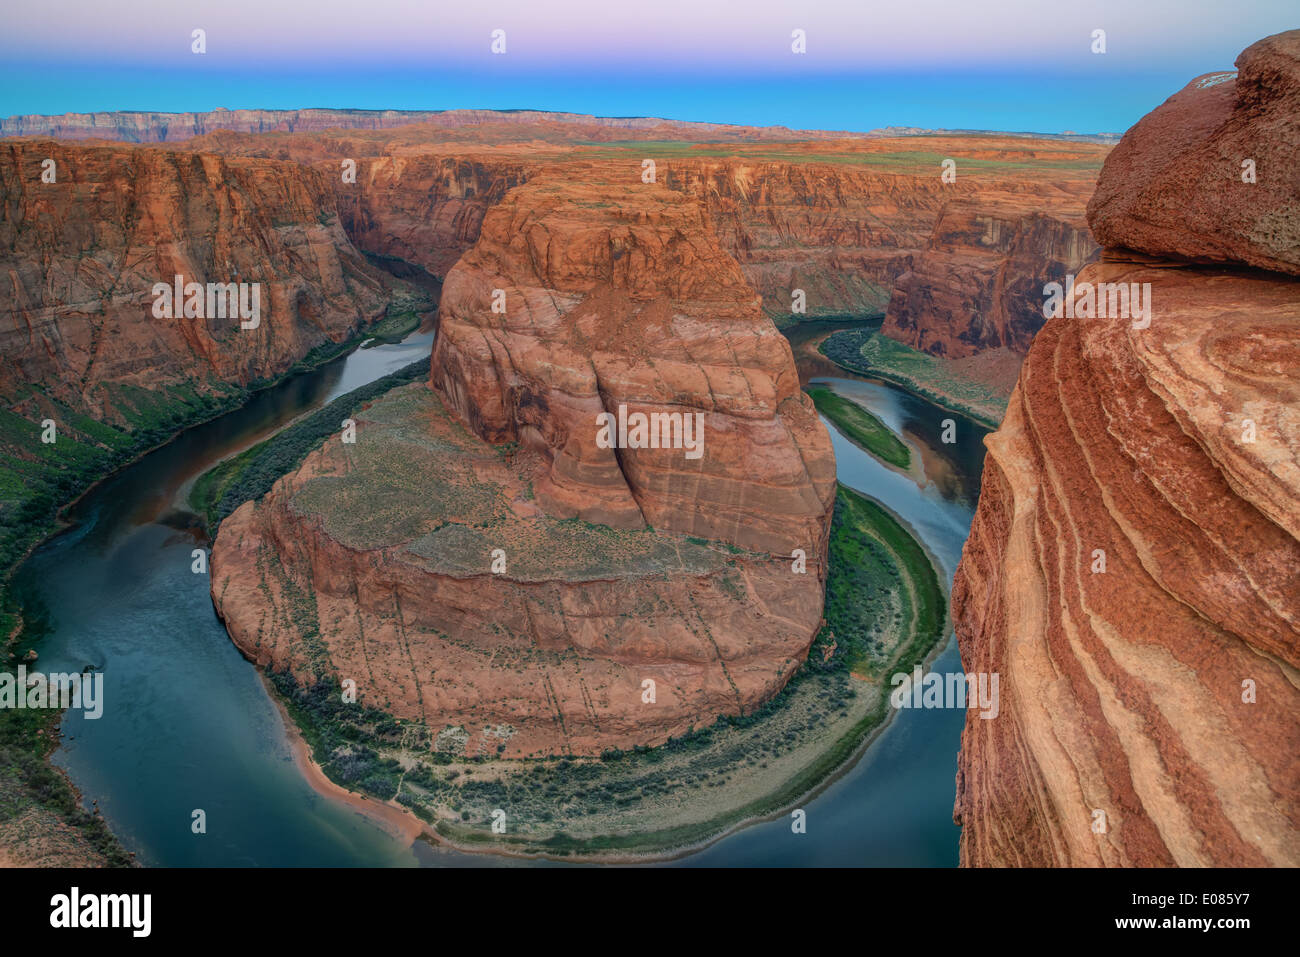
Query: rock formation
[[1133, 571], [840, 233], [841, 220], [978, 284], [619, 294], [955, 263], [479, 560], [424, 209], [375, 563], [620, 298], [80, 257], [1176, 187]]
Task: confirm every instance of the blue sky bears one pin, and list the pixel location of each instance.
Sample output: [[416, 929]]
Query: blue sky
[[1015, 65]]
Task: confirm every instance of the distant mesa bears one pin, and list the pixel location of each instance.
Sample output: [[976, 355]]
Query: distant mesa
[[155, 127]]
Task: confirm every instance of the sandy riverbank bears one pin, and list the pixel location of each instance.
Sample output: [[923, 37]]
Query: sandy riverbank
[[393, 818]]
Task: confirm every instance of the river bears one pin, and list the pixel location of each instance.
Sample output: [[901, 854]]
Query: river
[[188, 724], [893, 808]]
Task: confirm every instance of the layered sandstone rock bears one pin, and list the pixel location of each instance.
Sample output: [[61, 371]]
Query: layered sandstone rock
[[978, 284], [422, 209], [1133, 571], [840, 220], [618, 294], [954, 262], [841, 234], [80, 256]]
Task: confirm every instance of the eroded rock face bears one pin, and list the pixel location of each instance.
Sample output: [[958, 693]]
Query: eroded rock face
[[79, 259], [840, 234], [426, 210], [839, 220], [954, 263], [1123, 691], [978, 284], [618, 293], [1133, 570], [1176, 187]]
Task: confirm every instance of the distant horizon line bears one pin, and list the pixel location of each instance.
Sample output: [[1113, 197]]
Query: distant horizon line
[[876, 131]]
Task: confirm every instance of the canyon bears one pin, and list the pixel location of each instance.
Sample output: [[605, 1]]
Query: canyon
[[478, 560], [852, 221], [1133, 571], [614, 291], [977, 285]]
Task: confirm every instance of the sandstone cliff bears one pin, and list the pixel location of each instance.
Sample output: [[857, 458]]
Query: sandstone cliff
[[618, 293], [978, 284], [839, 233], [840, 220], [1133, 571], [423, 209], [958, 265], [80, 256]]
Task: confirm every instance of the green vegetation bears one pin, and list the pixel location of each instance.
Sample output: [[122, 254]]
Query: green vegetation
[[342, 736], [868, 352], [251, 473], [870, 547], [38, 805], [395, 326], [861, 427], [867, 293]]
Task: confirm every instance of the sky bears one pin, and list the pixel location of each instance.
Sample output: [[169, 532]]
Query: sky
[[1015, 65]]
